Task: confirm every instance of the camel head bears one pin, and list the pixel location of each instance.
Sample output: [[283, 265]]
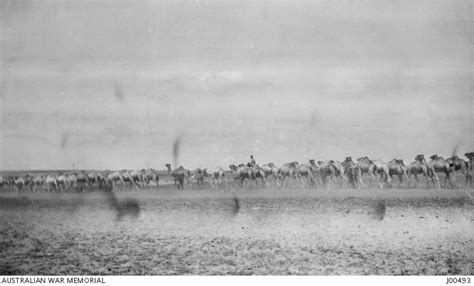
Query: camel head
[[365, 158], [420, 158], [470, 155], [454, 158], [400, 161]]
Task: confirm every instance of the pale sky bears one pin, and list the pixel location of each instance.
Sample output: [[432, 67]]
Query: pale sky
[[282, 80]]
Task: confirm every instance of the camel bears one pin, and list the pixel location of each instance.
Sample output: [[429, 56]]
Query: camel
[[241, 173], [180, 175], [315, 169], [36, 183], [82, 180], [3, 182], [397, 167], [350, 171], [62, 182], [217, 175], [50, 181], [20, 183], [114, 178], [365, 166], [95, 179], [420, 166], [306, 173], [441, 165], [463, 166], [132, 177], [381, 168], [270, 171], [258, 172], [470, 156], [340, 172], [150, 175], [288, 170], [329, 170], [71, 180], [199, 174]]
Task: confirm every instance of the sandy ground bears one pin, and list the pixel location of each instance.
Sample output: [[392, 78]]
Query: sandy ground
[[394, 232]]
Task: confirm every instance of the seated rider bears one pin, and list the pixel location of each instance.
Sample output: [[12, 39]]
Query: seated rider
[[252, 161]]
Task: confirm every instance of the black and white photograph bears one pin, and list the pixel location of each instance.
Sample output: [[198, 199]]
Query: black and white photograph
[[236, 137]]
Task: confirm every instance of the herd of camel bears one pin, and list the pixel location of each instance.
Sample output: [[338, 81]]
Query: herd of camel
[[312, 174], [345, 173]]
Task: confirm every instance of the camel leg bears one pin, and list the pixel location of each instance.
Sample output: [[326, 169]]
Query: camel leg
[[432, 181], [362, 182], [468, 179], [387, 181], [135, 184], [255, 181], [373, 179], [378, 181], [453, 181], [406, 176], [343, 179], [417, 181], [326, 182], [446, 179], [312, 181], [435, 180], [302, 180], [400, 178]]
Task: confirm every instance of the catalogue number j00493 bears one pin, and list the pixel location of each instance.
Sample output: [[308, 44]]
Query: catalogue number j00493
[[458, 280]]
